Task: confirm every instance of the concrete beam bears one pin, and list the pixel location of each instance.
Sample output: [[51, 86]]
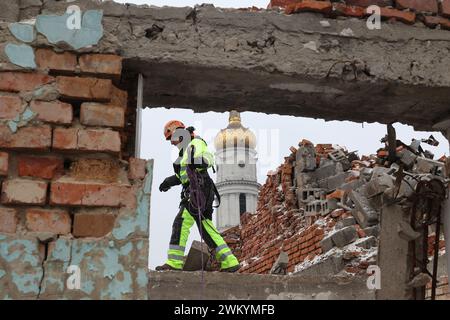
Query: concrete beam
[[208, 58], [234, 286]]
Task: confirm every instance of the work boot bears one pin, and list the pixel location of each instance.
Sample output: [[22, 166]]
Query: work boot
[[231, 269], [166, 267]]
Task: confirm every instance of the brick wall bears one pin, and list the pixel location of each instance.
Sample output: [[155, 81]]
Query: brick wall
[[280, 224], [431, 13], [71, 192]]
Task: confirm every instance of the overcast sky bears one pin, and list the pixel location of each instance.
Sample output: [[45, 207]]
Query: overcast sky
[[275, 134]]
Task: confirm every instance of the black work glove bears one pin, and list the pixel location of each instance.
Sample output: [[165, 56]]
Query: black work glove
[[168, 183]]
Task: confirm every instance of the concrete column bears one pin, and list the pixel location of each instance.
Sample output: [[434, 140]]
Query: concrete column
[[445, 218], [393, 257]]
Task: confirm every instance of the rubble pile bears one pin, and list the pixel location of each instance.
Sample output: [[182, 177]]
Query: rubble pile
[[322, 207], [432, 13]]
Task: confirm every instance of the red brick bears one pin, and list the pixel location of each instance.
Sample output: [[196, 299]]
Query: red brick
[[104, 140], [432, 21], [21, 191], [281, 3], [105, 64], [97, 114], [65, 138], [48, 59], [8, 220], [48, 220], [137, 169], [93, 224], [53, 112], [349, 11], [445, 8], [367, 3], [26, 138], [10, 107], [418, 5], [40, 167], [77, 193], [4, 160], [90, 89], [404, 16], [119, 97], [310, 6], [17, 81]]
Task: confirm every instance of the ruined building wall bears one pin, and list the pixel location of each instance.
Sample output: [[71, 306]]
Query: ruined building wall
[[309, 235], [432, 13], [71, 192], [333, 213]]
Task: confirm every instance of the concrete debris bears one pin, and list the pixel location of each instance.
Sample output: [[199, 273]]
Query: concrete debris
[[344, 236], [194, 258], [280, 266], [419, 280], [405, 231], [333, 225]]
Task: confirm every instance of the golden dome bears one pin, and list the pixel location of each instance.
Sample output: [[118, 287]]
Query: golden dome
[[235, 135]]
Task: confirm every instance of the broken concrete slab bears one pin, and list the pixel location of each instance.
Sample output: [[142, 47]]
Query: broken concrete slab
[[363, 212], [199, 252], [281, 264], [372, 231], [235, 286], [345, 236], [367, 242], [327, 244], [349, 221], [426, 166], [406, 232], [306, 158]]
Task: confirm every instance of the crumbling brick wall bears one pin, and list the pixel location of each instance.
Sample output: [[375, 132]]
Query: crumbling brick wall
[[322, 208], [283, 223], [71, 192], [432, 13]]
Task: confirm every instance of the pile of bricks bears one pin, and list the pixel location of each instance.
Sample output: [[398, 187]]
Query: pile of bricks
[[281, 223], [432, 13], [442, 289], [323, 204], [62, 146]]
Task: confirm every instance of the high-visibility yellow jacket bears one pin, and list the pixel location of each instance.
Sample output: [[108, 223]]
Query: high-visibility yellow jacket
[[197, 154]]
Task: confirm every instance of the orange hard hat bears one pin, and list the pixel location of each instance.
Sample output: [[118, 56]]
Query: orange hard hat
[[171, 126]]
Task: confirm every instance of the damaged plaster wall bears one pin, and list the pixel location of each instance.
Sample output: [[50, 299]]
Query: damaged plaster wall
[[286, 64], [223, 286], [74, 201]]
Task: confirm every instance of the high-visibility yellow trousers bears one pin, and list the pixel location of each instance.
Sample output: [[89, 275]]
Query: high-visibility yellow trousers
[[180, 234]]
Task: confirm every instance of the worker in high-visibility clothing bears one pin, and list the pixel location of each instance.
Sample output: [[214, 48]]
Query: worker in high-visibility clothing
[[195, 154]]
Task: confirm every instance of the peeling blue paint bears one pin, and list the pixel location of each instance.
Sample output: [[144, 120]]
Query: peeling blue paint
[[142, 278], [22, 31], [12, 125], [109, 269], [28, 114], [56, 30], [21, 55], [52, 281], [27, 283], [118, 288], [126, 249], [61, 250], [128, 224], [111, 263], [87, 286], [15, 249]]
